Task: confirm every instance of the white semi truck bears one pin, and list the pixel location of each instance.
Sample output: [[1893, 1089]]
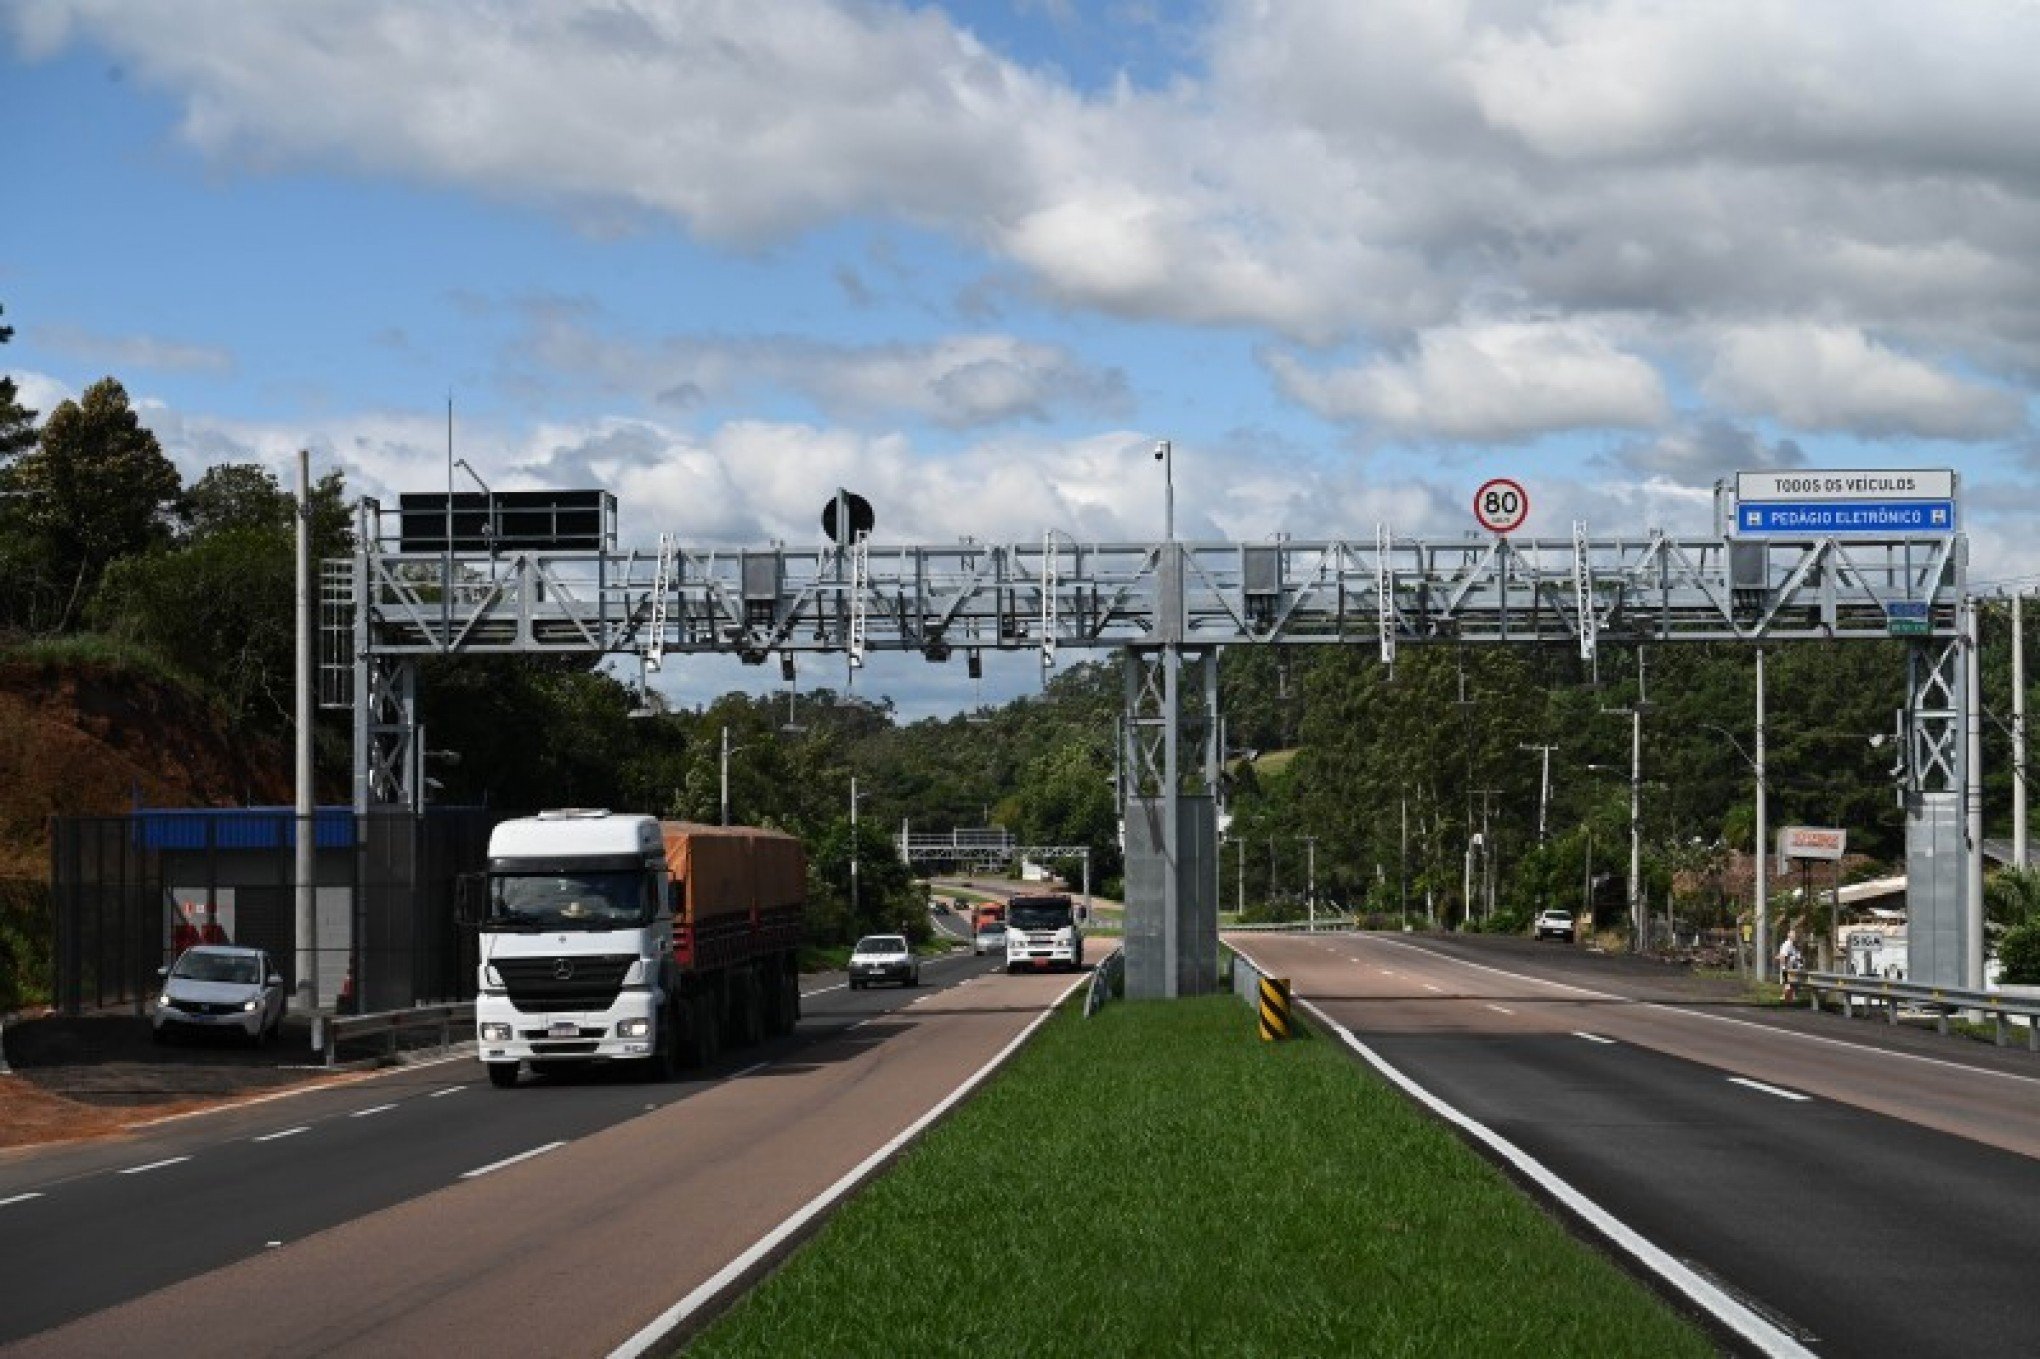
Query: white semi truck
[[615, 937], [1043, 932]]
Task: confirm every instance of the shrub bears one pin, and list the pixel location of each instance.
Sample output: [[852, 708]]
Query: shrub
[[2019, 952]]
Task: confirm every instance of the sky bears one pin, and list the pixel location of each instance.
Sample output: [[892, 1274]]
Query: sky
[[971, 261]]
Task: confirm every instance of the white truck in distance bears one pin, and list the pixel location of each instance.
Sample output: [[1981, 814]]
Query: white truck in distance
[[1042, 931], [606, 936]]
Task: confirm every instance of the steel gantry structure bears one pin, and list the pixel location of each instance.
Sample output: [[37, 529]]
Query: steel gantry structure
[[1171, 605]]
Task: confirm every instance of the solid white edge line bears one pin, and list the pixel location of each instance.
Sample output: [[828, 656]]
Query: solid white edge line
[[1673, 1008], [155, 1165], [1501, 1009], [1593, 1037], [279, 1136], [1761, 1334], [21, 1198], [664, 1324], [511, 1160], [1769, 1089], [375, 1109]]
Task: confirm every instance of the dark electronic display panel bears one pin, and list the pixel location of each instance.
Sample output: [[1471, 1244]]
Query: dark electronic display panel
[[520, 521]]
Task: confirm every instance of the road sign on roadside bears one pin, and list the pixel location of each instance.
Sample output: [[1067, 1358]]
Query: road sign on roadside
[[1827, 504], [1501, 505]]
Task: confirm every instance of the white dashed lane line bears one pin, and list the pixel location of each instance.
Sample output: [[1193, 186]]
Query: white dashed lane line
[[287, 1132], [377, 1109], [1793, 1095], [20, 1198], [1501, 1009], [154, 1165], [1593, 1037], [449, 1090], [511, 1160]]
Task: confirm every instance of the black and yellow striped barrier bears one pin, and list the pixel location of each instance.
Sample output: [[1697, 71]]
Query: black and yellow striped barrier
[[1274, 1009]]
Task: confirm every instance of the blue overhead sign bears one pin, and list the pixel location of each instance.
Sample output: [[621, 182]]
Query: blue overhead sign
[[1818, 503], [1849, 516]]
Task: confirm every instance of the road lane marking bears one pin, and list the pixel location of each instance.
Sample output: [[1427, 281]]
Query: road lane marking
[[1672, 1008], [819, 989], [21, 1198], [1592, 1037], [287, 1132], [755, 1066], [378, 1109], [1429, 987], [154, 1165], [449, 1090], [1763, 1336], [1501, 1009], [512, 1160], [654, 1334], [1769, 1089]]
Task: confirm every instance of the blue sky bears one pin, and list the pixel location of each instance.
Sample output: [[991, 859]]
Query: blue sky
[[972, 261]]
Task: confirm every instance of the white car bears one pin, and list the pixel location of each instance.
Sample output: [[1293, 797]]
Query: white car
[[884, 958], [218, 986], [990, 938], [1555, 925]]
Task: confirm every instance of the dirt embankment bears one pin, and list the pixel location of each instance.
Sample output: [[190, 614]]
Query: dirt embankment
[[81, 740]]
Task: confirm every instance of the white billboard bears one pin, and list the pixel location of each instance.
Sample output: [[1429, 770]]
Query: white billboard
[[1825, 488], [1811, 842]]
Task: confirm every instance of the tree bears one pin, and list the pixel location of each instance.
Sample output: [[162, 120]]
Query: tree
[[17, 422], [98, 487]]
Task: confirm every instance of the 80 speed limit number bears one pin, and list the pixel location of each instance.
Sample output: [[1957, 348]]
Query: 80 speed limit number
[[1501, 505]]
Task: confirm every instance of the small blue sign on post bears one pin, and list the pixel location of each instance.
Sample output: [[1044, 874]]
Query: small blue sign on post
[[1908, 617], [1865, 517]]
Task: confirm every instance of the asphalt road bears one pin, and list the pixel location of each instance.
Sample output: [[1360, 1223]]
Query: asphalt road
[[89, 1226], [1871, 1193]]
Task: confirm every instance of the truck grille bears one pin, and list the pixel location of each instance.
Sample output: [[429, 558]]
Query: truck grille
[[536, 986]]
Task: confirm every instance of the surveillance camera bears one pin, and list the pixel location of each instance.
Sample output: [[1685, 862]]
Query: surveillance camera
[[1161, 449]]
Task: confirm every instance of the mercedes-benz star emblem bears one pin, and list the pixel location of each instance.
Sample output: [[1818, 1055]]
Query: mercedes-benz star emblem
[[563, 970]]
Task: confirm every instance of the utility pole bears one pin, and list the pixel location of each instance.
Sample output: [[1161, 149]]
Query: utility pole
[[2018, 733], [1487, 853], [307, 892], [1763, 833], [1403, 861], [726, 782], [1635, 715], [853, 851], [1543, 787], [1310, 878]]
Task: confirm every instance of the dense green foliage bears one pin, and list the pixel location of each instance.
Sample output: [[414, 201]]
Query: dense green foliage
[[1230, 1197]]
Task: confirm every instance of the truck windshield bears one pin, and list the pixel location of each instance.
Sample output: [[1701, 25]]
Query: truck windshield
[[1039, 915], [606, 900]]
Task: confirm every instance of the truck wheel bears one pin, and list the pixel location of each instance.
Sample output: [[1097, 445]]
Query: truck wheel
[[705, 1042], [664, 1063], [502, 1075]]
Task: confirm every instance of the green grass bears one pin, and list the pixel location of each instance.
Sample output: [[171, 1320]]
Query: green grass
[[1157, 1181]]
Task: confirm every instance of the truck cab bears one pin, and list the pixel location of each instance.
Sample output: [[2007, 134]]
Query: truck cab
[[1043, 932], [576, 933]]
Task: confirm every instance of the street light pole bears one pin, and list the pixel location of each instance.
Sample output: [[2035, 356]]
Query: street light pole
[[1543, 786], [726, 775], [853, 851], [1763, 883], [1310, 878]]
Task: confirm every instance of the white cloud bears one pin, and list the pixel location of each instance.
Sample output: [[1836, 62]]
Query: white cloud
[[1334, 172], [1701, 453], [960, 381], [1501, 382], [1838, 379], [136, 351]]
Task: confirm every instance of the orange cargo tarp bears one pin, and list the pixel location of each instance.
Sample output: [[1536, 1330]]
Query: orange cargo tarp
[[729, 870]]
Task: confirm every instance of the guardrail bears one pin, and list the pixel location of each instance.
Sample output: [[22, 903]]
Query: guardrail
[[393, 1022], [1246, 978], [1108, 980], [1333, 923], [1941, 1001]]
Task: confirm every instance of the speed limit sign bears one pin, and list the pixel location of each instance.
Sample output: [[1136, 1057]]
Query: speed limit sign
[[1501, 505]]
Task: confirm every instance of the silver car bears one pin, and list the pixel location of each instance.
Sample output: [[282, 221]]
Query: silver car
[[218, 986], [884, 958]]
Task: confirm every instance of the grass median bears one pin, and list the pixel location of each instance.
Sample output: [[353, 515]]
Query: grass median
[[1155, 1180]]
